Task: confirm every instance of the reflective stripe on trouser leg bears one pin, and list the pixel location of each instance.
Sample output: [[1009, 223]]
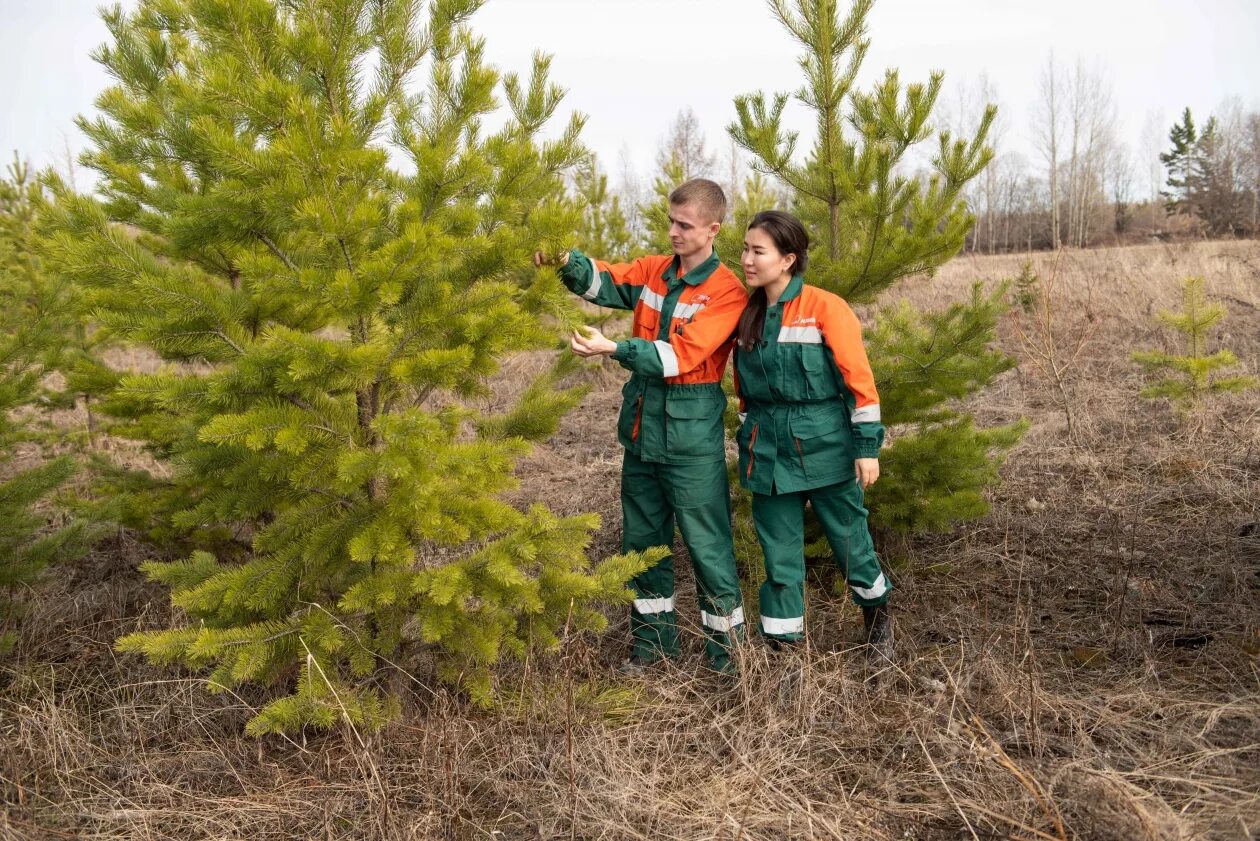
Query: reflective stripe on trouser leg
[[841, 513], [780, 523], [700, 496], [647, 520]]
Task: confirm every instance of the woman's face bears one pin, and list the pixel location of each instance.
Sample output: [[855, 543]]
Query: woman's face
[[763, 263]]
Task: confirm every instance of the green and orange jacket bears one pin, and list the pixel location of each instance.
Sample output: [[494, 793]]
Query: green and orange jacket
[[682, 335], [807, 395]]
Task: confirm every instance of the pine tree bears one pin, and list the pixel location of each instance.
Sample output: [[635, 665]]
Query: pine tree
[[873, 225], [32, 329], [605, 232], [330, 323], [938, 469], [1179, 161], [1213, 190], [1027, 288], [1193, 372]]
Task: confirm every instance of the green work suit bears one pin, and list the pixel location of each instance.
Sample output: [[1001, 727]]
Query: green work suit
[[673, 470], [797, 444]]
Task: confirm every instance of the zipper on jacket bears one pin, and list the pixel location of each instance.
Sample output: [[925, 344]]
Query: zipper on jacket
[[638, 416], [752, 439]]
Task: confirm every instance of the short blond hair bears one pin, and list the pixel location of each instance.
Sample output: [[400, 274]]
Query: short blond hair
[[704, 194]]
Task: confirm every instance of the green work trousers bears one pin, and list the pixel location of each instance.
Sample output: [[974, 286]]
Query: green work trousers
[[696, 497], [780, 523]]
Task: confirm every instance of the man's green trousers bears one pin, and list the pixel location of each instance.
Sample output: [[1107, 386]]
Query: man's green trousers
[[696, 497]]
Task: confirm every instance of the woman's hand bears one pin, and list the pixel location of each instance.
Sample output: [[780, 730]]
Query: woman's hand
[[594, 344], [867, 471]]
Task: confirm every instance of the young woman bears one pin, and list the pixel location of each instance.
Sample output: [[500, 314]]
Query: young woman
[[811, 429]]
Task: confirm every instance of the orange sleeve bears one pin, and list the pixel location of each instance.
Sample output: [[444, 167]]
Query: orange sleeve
[[843, 334], [615, 285]]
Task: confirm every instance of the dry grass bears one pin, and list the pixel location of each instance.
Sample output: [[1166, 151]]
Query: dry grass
[[1082, 663]]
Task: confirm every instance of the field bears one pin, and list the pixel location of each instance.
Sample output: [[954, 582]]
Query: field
[[1083, 662]]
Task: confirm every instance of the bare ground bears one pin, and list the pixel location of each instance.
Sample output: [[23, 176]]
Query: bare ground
[[1084, 662]]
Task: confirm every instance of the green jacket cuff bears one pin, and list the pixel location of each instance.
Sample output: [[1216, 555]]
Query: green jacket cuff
[[639, 356], [576, 274], [867, 439]]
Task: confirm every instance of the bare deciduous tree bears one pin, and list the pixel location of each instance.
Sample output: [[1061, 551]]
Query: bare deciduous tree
[[1252, 131], [1047, 130], [685, 143], [1092, 115]]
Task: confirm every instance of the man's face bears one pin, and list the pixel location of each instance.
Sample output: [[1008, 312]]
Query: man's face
[[691, 232]]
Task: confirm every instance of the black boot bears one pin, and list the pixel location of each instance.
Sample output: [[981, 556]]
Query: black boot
[[879, 634]]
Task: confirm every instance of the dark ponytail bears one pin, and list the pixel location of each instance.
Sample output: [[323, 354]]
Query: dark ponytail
[[790, 237], [752, 321]]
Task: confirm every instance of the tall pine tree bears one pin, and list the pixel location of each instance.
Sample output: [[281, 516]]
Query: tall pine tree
[[873, 225], [1202, 177], [330, 323], [1179, 160], [1214, 189]]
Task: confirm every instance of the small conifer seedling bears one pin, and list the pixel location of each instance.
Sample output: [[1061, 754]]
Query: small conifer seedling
[[1192, 375]]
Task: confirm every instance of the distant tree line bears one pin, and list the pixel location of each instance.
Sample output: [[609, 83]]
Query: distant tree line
[[1083, 186]]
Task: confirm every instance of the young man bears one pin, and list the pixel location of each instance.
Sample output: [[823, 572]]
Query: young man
[[686, 307]]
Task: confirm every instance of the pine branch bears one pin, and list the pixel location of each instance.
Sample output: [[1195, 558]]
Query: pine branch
[[275, 249]]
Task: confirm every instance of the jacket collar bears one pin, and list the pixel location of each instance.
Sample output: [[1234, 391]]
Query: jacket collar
[[697, 275], [793, 288]]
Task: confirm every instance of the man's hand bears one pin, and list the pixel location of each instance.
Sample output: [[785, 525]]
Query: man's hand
[[593, 344], [542, 258], [867, 471]]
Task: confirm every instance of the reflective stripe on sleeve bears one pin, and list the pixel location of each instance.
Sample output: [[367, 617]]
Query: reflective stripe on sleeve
[[645, 606], [669, 359], [687, 310], [879, 588], [771, 625], [866, 414], [652, 300], [800, 335], [596, 281], [723, 623]]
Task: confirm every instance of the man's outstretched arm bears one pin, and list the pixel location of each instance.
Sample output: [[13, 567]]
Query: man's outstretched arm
[[613, 285]]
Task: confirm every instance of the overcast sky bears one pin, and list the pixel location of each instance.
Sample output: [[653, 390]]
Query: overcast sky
[[631, 65]]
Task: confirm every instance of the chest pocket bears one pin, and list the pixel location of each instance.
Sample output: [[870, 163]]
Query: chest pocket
[[754, 382], [647, 323], [806, 375]]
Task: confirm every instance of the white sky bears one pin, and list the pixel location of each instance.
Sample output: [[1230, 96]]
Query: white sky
[[631, 65]]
